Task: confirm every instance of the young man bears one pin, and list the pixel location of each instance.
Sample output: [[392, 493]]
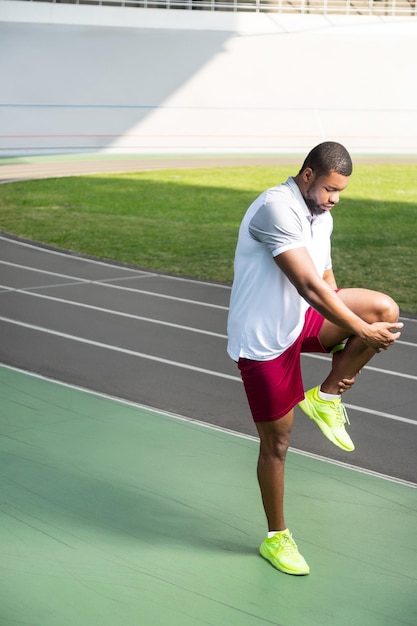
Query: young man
[[285, 301]]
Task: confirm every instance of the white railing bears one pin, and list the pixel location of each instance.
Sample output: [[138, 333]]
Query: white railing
[[342, 7]]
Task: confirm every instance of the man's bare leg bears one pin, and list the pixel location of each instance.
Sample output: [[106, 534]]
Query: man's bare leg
[[371, 306], [322, 404], [278, 547], [274, 442]]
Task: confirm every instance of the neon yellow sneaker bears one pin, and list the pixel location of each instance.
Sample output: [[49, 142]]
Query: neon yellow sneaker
[[330, 416], [282, 552]]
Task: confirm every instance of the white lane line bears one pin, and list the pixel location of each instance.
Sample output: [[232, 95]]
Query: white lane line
[[27, 268], [161, 295], [140, 318], [367, 367], [106, 346], [183, 327], [227, 431], [104, 283], [69, 283], [362, 409], [75, 257], [140, 274], [408, 319], [200, 370], [144, 272], [406, 343]]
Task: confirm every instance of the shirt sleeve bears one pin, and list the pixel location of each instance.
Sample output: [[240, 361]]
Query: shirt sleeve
[[278, 227]]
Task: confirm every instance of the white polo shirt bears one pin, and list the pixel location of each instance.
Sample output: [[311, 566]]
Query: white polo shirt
[[266, 312]]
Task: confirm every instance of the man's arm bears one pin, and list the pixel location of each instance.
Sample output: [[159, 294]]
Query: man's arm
[[299, 268], [328, 276]]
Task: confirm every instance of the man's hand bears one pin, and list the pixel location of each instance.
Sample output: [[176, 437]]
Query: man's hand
[[380, 335], [346, 384]]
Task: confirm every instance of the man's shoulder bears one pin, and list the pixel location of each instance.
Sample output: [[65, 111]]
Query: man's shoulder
[[271, 202], [286, 193]]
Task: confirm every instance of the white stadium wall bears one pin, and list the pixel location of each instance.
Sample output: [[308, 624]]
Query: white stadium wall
[[79, 79]]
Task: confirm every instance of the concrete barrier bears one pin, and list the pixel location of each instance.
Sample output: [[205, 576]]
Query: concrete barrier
[[80, 79]]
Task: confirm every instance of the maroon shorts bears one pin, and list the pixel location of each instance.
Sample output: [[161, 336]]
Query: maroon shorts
[[274, 387]]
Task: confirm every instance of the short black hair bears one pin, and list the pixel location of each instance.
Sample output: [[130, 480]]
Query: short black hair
[[328, 157]]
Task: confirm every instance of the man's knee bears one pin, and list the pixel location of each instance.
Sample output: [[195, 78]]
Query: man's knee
[[275, 437], [275, 446], [386, 308]]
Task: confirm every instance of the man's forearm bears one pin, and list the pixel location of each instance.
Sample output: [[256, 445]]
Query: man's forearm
[[324, 299]]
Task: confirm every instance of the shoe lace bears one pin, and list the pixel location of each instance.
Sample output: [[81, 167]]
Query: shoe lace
[[341, 414], [285, 543]]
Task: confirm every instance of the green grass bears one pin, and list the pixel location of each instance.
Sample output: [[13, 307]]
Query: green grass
[[186, 221]]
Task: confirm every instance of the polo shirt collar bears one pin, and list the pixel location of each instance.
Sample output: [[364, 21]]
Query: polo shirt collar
[[296, 191]]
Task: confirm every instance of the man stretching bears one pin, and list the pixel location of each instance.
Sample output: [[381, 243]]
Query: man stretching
[[285, 301]]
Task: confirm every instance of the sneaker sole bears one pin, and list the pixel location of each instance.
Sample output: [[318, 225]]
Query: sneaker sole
[[308, 409], [265, 554]]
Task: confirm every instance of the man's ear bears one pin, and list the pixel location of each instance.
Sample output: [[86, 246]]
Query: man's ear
[[308, 175]]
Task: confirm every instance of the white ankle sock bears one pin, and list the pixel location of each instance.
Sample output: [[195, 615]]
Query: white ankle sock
[[271, 533], [328, 396]]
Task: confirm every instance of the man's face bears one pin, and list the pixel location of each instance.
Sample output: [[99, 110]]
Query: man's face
[[323, 193]]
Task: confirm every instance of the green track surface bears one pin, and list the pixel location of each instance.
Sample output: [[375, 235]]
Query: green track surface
[[114, 514]]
